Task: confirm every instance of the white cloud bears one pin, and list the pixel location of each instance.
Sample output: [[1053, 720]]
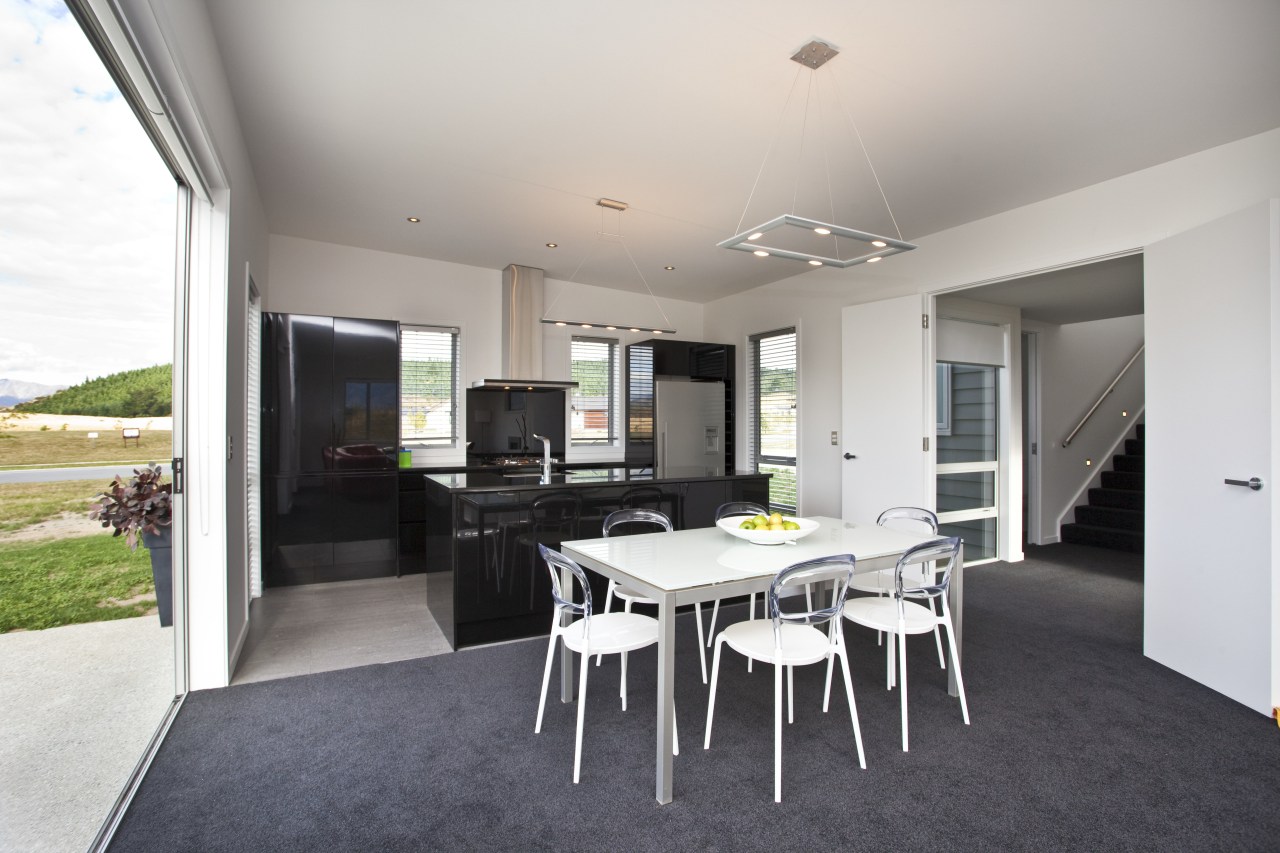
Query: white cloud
[[87, 211]]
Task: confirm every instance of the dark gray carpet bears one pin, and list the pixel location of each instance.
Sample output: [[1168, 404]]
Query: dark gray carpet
[[1077, 743]]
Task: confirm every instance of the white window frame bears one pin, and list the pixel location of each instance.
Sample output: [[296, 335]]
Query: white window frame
[[757, 458], [409, 439], [614, 439]]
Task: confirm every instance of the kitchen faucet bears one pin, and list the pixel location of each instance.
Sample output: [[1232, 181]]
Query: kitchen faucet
[[546, 458]]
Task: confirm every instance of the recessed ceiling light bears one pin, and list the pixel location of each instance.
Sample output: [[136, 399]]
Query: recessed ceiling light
[[815, 263], [879, 244], [413, 219], [873, 260], [823, 231], [552, 245], [756, 236], [760, 253], [668, 268]]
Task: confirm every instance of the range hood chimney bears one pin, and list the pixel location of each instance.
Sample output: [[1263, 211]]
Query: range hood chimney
[[522, 289]]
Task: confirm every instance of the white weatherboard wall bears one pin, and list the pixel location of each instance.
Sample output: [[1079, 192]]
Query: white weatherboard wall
[[1077, 363]]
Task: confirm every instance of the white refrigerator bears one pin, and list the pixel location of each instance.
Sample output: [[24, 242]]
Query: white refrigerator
[[688, 420]]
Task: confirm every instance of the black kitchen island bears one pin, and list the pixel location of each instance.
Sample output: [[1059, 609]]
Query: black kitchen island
[[485, 583]]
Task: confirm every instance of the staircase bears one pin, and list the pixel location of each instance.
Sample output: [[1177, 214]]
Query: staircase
[[1113, 517]]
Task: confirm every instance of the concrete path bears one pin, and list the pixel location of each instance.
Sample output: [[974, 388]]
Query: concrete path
[[78, 705], [97, 472]]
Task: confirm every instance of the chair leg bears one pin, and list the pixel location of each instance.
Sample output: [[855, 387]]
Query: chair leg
[[955, 661], [675, 734], [791, 695], [751, 614], [853, 708], [826, 690], [622, 687], [902, 680], [937, 635], [711, 701], [777, 732], [608, 600], [711, 631], [702, 649], [546, 678], [582, 710]]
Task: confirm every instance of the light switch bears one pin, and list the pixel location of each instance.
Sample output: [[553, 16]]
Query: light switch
[[834, 438]]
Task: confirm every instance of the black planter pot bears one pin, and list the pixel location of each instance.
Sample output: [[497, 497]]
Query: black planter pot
[[161, 548]]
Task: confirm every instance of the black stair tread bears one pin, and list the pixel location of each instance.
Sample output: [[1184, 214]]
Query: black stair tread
[[1119, 498], [1128, 464], [1135, 447], [1126, 480], [1110, 517], [1103, 537]]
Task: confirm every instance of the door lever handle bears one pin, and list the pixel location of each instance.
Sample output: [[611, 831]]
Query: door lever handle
[[1253, 483], [850, 456]]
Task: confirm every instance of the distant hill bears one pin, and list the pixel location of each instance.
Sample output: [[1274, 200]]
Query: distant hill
[[15, 391], [146, 392]]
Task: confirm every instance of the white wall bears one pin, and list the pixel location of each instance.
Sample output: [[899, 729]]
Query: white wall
[[1077, 363], [817, 321], [231, 235], [312, 277]]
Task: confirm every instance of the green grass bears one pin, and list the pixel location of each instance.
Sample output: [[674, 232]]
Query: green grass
[[55, 447], [69, 581], [24, 504]]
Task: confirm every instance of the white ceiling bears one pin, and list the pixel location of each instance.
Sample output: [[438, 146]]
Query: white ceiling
[[1097, 291], [500, 123]]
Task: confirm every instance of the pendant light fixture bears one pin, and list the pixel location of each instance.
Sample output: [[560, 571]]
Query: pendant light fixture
[[806, 238], [619, 207]]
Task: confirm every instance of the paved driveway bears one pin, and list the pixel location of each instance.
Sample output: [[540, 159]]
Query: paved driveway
[[47, 475]]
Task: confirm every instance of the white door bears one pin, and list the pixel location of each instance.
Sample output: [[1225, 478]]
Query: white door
[[885, 349], [1211, 334]]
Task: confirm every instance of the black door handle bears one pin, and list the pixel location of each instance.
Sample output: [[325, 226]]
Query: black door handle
[[850, 456]]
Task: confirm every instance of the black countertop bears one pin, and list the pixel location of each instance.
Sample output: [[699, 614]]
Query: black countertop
[[490, 480]]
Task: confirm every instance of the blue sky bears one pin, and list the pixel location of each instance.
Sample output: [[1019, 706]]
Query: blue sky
[[86, 211]]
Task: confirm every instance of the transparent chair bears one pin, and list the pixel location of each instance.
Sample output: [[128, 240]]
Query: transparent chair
[[791, 639], [553, 519], [899, 615], [746, 509], [915, 519], [603, 633], [648, 519]]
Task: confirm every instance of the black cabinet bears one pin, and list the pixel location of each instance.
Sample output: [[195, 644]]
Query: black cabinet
[[330, 428]]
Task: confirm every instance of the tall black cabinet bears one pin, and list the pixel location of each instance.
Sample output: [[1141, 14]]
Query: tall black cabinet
[[330, 428]]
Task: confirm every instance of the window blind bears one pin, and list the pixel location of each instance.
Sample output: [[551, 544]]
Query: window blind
[[774, 382], [594, 366], [429, 386]]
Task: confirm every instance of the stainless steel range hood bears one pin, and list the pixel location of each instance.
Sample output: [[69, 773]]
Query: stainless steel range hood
[[523, 384], [522, 334]]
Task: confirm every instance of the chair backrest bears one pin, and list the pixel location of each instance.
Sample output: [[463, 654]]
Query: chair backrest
[[644, 497], [648, 517], [908, 513], [564, 598], [740, 508], [558, 511], [837, 569], [942, 553]]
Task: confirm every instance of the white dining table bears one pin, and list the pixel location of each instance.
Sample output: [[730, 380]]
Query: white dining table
[[705, 564]]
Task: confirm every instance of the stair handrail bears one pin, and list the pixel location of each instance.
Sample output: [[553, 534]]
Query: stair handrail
[[1067, 441]]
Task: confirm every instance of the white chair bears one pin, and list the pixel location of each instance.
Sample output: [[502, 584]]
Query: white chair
[[882, 582], [899, 616], [791, 639], [746, 509], [651, 518], [603, 633]]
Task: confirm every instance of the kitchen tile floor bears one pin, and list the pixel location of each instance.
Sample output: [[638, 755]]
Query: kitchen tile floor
[[320, 627]]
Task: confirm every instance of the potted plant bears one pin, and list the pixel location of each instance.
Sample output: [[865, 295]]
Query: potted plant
[[139, 507]]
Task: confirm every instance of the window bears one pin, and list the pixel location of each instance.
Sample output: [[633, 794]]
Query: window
[[429, 386], [594, 366], [773, 414]]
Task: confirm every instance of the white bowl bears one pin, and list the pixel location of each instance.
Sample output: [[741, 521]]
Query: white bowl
[[729, 524]]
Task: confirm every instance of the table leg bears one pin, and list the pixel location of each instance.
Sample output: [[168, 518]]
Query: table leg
[[666, 693], [566, 656], [955, 599]]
